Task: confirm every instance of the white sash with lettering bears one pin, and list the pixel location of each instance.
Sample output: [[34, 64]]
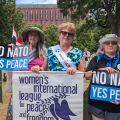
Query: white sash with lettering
[[62, 57]]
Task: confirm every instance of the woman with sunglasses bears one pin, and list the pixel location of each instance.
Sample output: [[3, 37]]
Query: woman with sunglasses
[[108, 59], [65, 57]]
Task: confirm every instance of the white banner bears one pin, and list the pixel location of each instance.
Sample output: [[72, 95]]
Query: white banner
[[47, 96]]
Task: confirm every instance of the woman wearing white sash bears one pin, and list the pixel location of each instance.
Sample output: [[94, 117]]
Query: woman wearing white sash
[[65, 57]]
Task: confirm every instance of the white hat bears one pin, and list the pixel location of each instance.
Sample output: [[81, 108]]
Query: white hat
[[109, 37]]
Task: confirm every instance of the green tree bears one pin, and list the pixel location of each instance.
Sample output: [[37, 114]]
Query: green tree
[[9, 16], [105, 12], [88, 35], [51, 35]]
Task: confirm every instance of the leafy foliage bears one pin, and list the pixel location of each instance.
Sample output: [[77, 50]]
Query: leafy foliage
[[88, 35], [105, 12], [51, 35], [9, 16]]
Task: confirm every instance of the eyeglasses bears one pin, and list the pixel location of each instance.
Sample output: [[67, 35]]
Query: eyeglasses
[[70, 34], [112, 43]]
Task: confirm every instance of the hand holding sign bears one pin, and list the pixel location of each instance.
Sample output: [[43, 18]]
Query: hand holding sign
[[11, 45], [108, 69], [37, 68]]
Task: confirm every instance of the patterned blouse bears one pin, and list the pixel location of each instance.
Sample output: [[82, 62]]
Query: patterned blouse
[[53, 63]]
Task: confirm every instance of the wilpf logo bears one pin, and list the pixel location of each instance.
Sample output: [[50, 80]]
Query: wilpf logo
[[118, 66], [62, 110]]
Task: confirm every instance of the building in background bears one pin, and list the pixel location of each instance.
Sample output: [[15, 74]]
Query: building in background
[[43, 14]]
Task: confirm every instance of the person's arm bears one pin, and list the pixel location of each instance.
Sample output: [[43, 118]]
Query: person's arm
[[81, 65], [91, 67], [44, 65], [88, 54], [88, 74]]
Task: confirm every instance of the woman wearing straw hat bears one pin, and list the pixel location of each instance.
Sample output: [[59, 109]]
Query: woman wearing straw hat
[[34, 37], [108, 59]]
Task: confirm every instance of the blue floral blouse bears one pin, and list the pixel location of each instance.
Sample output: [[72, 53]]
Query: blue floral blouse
[[53, 63]]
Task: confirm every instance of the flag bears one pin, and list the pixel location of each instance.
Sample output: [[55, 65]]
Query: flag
[[19, 41], [14, 36]]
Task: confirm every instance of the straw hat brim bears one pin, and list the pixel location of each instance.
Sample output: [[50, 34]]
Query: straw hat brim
[[29, 29]]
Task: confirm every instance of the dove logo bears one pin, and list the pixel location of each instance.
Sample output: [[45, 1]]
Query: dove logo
[[61, 110]]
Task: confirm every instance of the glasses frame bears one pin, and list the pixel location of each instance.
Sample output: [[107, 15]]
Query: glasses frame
[[69, 34], [111, 42]]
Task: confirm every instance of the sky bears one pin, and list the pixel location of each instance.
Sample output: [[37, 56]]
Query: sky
[[36, 1]]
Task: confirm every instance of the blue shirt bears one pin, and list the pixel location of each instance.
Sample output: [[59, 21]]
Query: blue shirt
[[53, 63]]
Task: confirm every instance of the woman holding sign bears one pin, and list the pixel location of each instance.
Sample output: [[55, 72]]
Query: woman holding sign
[[107, 59], [63, 56], [35, 38], [37, 60]]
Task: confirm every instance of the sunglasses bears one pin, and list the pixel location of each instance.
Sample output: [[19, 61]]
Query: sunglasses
[[112, 43], [69, 34]]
